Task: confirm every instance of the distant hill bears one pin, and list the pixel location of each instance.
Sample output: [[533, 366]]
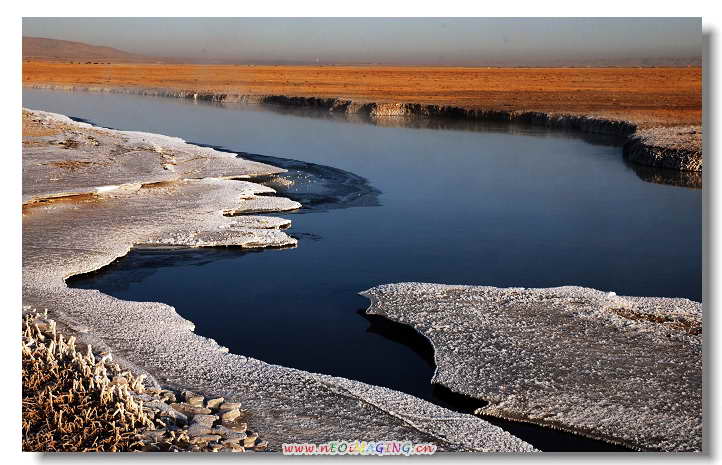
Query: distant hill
[[38, 48]]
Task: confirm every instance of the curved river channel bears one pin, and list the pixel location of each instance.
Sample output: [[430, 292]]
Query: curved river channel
[[401, 200]]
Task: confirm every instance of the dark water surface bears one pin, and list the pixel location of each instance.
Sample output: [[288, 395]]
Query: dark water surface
[[446, 201]]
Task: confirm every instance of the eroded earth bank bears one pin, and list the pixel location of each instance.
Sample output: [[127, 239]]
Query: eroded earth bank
[[91, 194]]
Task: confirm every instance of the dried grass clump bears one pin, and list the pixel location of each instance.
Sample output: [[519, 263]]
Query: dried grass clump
[[678, 322], [75, 402]]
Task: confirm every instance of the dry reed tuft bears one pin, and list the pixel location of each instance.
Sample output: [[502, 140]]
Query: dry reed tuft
[[74, 401]]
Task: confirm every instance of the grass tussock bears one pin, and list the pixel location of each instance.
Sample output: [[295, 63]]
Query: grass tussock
[[74, 401]]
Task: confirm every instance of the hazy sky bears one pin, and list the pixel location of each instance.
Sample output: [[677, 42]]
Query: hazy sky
[[384, 40]]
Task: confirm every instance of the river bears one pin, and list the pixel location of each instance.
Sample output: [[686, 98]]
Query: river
[[433, 201]]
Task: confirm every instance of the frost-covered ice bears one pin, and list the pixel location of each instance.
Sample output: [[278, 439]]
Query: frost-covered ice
[[185, 206], [622, 369], [89, 159]]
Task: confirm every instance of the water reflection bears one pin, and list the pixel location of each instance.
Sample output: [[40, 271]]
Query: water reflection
[[441, 123], [689, 179]]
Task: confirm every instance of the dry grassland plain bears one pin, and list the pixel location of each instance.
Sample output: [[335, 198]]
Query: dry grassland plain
[[645, 96]]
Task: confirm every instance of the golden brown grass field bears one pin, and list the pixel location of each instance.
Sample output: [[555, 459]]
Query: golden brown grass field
[[648, 96]]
